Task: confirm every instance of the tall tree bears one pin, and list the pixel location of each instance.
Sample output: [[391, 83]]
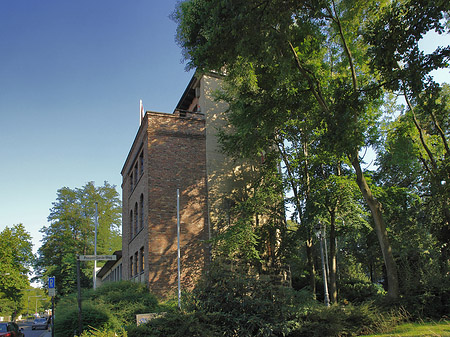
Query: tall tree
[[406, 69], [71, 232], [16, 258], [314, 46]]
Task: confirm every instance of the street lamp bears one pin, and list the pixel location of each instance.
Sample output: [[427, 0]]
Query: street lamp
[[38, 299], [320, 233], [28, 308]]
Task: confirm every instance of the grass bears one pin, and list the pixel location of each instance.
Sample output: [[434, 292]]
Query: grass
[[424, 329]]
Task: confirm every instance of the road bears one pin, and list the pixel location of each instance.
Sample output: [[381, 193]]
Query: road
[[26, 325]]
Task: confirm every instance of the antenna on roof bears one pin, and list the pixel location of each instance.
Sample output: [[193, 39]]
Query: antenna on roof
[[141, 111]]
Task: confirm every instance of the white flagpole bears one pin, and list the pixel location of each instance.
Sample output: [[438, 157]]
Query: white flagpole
[[141, 111]]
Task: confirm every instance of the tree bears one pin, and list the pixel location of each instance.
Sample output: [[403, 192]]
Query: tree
[[16, 257], [71, 232], [312, 48], [405, 69]]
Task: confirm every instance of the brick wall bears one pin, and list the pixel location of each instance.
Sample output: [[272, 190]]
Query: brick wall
[[174, 157]]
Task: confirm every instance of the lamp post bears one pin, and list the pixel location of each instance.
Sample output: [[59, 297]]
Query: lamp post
[[29, 303], [320, 233], [37, 299]]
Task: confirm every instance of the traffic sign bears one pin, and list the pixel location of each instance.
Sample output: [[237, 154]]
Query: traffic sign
[[51, 282], [51, 292], [97, 257]]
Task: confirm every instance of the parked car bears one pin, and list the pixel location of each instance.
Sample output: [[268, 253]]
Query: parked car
[[10, 329], [39, 323]]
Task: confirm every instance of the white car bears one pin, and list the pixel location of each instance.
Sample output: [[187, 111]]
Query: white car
[[39, 323]]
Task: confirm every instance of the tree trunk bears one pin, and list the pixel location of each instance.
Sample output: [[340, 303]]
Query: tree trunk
[[380, 229], [333, 264]]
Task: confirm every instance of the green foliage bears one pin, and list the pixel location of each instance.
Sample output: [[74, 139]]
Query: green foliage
[[111, 306], [297, 82], [104, 333], [246, 305], [346, 320], [238, 236], [98, 317], [358, 291], [16, 257], [125, 299], [196, 324], [439, 328], [304, 82], [236, 303], [71, 232]]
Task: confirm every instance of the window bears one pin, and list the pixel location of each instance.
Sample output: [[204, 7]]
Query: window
[[141, 163], [131, 224], [135, 174], [131, 266], [141, 214], [136, 229], [131, 182], [142, 258], [136, 265]]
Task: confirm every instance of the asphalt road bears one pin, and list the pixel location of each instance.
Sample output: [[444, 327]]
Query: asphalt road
[[26, 325]]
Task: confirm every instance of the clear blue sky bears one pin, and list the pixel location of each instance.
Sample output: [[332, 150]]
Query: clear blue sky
[[71, 77]]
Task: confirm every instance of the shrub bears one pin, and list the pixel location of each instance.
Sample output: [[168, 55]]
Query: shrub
[[350, 320], [359, 291], [125, 299], [179, 325], [66, 321], [427, 303], [104, 333], [243, 304], [111, 306]]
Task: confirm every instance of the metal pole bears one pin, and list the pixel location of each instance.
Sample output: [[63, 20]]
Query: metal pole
[[95, 245], [324, 270], [53, 316], [178, 248], [80, 325], [326, 255]]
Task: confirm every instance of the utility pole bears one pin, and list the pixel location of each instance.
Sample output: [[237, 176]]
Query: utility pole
[[95, 245], [80, 324], [178, 248]]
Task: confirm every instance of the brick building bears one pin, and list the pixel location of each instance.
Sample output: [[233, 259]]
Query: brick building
[[170, 152]]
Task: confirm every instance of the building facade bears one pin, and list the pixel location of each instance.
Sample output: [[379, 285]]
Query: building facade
[[171, 152]]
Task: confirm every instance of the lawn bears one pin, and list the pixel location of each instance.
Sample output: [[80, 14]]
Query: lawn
[[441, 328]]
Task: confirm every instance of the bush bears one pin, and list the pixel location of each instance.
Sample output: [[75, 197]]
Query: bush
[[427, 303], [241, 304], [66, 322], [359, 291], [112, 306], [125, 299], [179, 325], [350, 320], [104, 333]]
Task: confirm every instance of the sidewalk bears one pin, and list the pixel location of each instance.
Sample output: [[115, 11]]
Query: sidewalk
[[46, 334]]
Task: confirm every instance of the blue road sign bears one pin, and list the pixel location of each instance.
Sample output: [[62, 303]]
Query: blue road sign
[[51, 282]]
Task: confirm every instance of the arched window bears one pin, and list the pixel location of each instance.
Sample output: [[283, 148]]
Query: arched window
[[136, 218], [131, 266], [141, 214], [141, 163], [131, 224]]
